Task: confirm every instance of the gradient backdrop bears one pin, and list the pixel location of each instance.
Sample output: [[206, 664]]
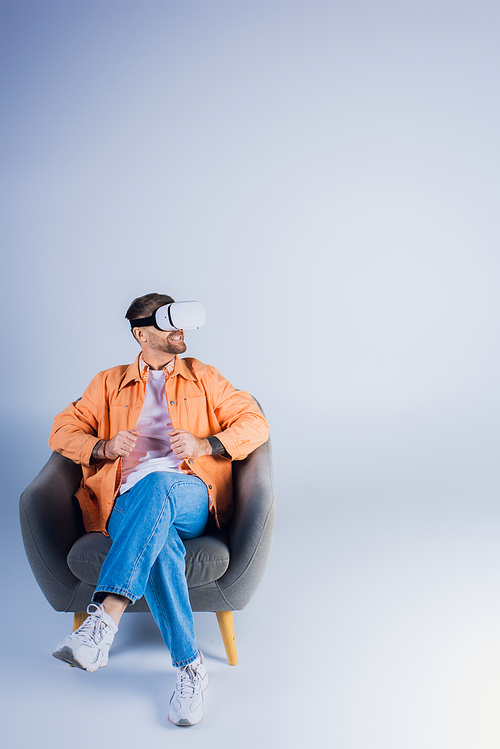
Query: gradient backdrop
[[323, 176]]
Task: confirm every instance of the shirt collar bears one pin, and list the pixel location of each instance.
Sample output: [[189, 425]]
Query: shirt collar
[[144, 369], [134, 374]]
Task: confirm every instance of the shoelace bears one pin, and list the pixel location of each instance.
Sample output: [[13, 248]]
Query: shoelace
[[93, 628], [189, 681]]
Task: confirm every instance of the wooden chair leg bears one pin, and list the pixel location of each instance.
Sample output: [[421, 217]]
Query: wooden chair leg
[[226, 625], [79, 618]]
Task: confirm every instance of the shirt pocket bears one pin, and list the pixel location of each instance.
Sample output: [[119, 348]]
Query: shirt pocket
[[197, 415], [121, 416]]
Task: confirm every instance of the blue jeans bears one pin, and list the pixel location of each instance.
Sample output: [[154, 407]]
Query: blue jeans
[[147, 526]]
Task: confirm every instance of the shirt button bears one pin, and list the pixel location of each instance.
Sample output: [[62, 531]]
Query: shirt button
[[172, 403], [210, 486], [190, 461]]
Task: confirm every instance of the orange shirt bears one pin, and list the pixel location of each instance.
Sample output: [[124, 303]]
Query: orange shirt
[[199, 399]]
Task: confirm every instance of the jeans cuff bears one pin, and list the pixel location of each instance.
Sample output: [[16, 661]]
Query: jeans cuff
[[104, 590], [186, 662]]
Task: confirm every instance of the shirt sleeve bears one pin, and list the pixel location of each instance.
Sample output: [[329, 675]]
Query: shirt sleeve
[[74, 433], [243, 425]]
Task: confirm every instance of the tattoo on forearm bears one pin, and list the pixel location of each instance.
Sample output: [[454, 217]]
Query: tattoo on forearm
[[98, 450], [217, 447]]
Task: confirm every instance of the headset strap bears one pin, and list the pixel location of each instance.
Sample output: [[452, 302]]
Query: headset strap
[[151, 320], [141, 322]]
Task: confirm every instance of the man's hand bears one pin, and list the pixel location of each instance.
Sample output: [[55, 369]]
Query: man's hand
[[186, 445], [122, 444]]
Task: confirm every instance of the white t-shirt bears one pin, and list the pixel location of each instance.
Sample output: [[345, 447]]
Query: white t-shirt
[[152, 451]]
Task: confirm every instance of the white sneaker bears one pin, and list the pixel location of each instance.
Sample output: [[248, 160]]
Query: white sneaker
[[186, 705], [87, 647]]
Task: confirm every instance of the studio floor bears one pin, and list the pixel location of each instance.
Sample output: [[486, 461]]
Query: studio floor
[[374, 634]]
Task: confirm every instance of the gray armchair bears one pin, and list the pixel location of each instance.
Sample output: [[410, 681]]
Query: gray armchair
[[223, 568]]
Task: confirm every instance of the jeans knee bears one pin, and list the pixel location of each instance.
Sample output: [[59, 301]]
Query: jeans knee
[[160, 489], [156, 480], [159, 486], [152, 491]]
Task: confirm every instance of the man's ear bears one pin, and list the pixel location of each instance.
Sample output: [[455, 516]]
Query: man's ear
[[138, 334]]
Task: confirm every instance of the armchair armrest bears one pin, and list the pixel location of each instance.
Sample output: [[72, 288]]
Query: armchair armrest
[[50, 523], [252, 527]]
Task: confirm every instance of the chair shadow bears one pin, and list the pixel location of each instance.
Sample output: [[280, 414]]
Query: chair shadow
[[157, 684], [138, 630]]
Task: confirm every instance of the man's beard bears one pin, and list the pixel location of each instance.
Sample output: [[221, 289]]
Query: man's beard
[[168, 346], [178, 347]]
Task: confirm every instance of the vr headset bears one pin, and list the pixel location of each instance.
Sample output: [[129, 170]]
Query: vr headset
[[174, 316]]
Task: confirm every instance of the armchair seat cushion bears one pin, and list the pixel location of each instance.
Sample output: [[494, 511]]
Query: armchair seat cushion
[[207, 558]]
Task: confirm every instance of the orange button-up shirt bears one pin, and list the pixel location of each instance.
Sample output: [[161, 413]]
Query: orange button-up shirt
[[199, 399]]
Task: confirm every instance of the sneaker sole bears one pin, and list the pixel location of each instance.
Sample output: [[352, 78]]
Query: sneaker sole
[[67, 655], [184, 722]]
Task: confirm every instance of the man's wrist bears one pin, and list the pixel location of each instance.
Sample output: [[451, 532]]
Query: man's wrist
[[217, 447], [99, 450]]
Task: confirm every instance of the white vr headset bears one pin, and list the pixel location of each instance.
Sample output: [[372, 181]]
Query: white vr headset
[[174, 316]]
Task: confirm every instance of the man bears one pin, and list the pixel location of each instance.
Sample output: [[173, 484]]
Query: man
[[155, 441]]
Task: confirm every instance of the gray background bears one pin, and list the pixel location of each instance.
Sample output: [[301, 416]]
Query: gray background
[[324, 178]]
